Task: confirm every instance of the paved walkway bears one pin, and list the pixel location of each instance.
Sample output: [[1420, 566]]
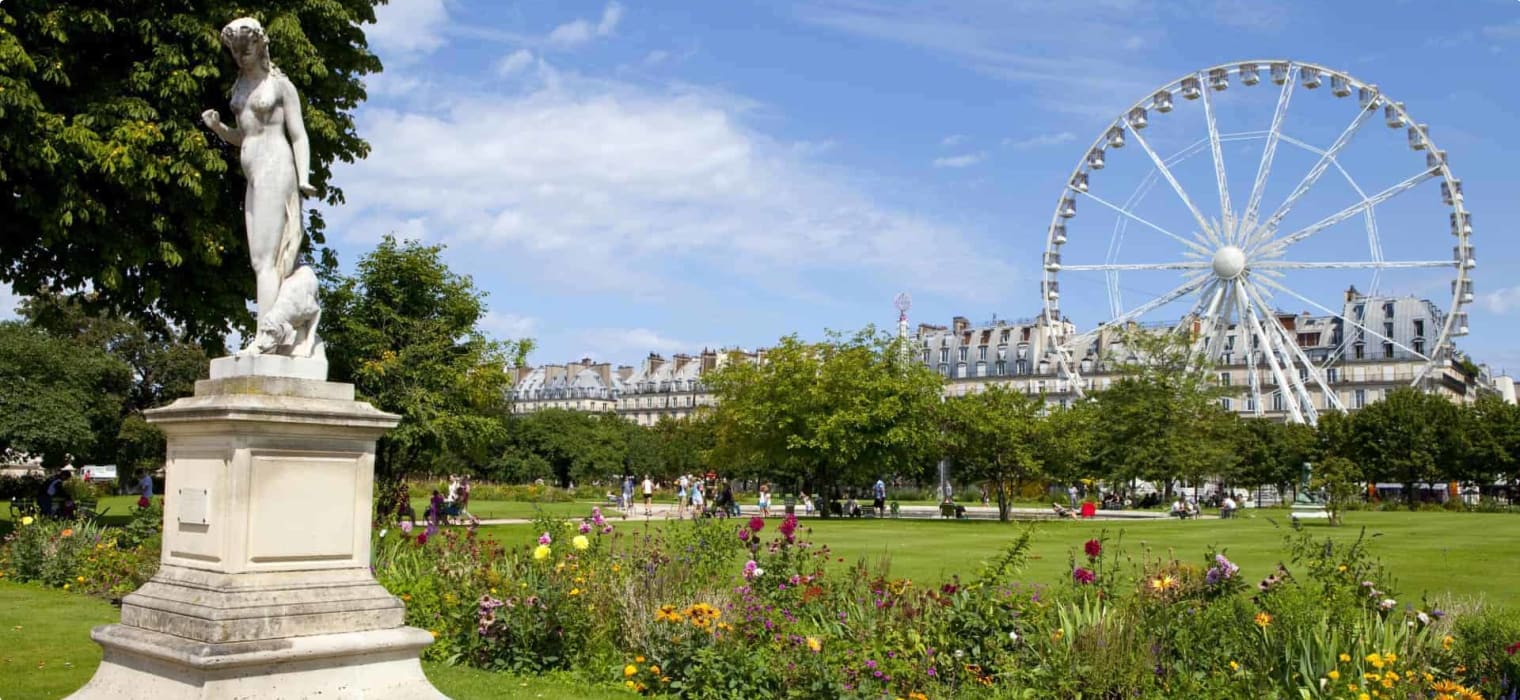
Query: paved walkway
[[666, 511]]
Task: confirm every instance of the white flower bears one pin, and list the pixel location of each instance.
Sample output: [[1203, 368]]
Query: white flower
[[382, 532], [759, 571], [1013, 636], [1388, 604], [1424, 619]]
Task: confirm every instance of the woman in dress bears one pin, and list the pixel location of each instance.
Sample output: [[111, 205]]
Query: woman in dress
[[275, 156]]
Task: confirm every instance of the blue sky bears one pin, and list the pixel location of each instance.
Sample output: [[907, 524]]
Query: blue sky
[[627, 177]]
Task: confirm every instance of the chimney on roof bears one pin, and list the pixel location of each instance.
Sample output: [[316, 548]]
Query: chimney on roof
[[603, 370], [624, 372], [709, 361], [960, 323]]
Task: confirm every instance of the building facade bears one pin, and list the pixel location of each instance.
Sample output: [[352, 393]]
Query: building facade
[[1358, 367], [658, 388]]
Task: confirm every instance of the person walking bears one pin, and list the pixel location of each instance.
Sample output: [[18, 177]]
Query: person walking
[[697, 502], [682, 485], [144, 489], [879, 496], [53, 489], [628, 492], [1071, 492], [765, 500], [648, 494]]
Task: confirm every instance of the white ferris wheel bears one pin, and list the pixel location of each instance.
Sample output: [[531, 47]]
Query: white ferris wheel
[[1170, 242]]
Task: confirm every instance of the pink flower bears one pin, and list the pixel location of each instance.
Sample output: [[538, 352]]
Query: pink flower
[[406, 527], [585, 528], [607, 529], [743, 534], [749, 568], [788, 527], [1083, 576], [756, 523], [545, 539], [1093, 549]]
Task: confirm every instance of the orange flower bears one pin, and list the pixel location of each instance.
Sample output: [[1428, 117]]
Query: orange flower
[[67, 532], [1263, 620]]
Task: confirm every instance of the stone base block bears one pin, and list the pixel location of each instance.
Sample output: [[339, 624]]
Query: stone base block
[[269, 366], [373, 665]]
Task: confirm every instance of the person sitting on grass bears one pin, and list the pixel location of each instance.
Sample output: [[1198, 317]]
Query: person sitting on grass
[[851, 508], [1179, 509], [1062, 511]]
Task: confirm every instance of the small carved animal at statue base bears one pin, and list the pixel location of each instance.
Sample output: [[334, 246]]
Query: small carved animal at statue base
[[290, 326]]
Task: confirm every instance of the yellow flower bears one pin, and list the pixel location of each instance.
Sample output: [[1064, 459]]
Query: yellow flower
[[580, 542], [1446, 642], [1376, 660], [575, 592], [655, 670], [629, 684], [638, 659], [1345, 657], [542, 552], [1234, 666], [667, 613], [1342, 567], [1334, 675], [79, 579], [616, 568], [1363, 696], [27, 520], [814, 645], [1163, 583], [1263, 620], [434, 633], [629, 670], [65, 586]]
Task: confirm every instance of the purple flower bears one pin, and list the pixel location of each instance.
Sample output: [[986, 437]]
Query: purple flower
[[585, 528], [1083, 576], [545, 539], [743, 534]]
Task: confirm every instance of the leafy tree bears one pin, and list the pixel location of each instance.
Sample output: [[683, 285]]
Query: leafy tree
[[106, 178], [403, 331], [59, 397], [994, 436], [1340, 479], [1492, 427], [1410, 437], [685, 444], [826, 414], [1274, 453], [1162, 420]]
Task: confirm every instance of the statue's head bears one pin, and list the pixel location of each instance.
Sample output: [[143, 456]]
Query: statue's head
[[245, 38], [271, 335]]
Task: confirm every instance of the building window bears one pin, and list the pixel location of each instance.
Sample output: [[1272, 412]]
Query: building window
[[1277, 401], [1224, 378], [944, 370], [944, 354], [1356, 311], [981, 369], [1356, 351], [981, 353], [1388, 310], [926, 357], [1251, 404], [962, 357], [1333, 375], [1225, 402], [1005, 337], [1388, 351], [1419, 327], [1388, 329], [1419, 346], [1359, 398], [1002, 367]]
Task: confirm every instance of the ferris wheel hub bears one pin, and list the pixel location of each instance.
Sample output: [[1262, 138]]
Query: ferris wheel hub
[[1229, 262]]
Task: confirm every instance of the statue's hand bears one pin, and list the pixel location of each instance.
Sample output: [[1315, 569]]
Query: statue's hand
[[211, 118], [307, 189]]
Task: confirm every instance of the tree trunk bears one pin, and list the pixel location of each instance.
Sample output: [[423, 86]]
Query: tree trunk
[[1003, 503]]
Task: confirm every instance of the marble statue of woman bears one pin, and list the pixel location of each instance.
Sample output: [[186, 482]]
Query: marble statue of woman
[[276, 160]]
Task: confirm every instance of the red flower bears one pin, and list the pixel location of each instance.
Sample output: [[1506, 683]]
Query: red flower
[[1083, 576], [756, 523], [1511, 649], [789, 526], [421, 538], [1093, 549]]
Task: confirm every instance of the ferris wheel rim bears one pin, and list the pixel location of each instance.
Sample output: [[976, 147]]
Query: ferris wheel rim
[[1202, 84]]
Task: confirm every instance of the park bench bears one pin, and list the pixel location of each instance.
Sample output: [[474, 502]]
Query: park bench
[[1310, 515]]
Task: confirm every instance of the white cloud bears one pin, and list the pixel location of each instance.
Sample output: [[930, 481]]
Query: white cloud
[[952, 140], [964, 160], [1502, 301], [508, 326], [514, 62], [591, 186], [407, 29], [581, 31], [1040, 141], [656, 57]]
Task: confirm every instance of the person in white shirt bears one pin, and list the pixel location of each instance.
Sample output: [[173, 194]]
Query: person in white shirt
[[682, 494], [648, 494], [1227, 510]]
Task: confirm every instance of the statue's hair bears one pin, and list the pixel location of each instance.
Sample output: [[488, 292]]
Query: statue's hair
[[244, 29]]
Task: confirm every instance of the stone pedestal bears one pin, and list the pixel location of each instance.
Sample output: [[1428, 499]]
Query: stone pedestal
[[264, 588]]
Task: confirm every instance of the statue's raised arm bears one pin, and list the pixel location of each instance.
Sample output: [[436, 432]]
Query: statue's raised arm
[[276, 161]]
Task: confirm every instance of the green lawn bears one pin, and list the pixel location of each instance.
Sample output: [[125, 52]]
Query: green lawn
[[46, 653], [1461, 553]]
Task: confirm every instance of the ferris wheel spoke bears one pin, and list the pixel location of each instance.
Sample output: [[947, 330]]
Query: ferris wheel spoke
[[1115, 267], [1220, 176], [1269, 151], [1248, 312], [1203, 223], [1276, 246], [1351, 265], [1350, 321], [1319, 166], [1193, 284], [1136, 217], [1291, 343], [1253, 375]]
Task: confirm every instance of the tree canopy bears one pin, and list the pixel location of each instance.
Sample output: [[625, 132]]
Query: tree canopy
[[107, 180], [404, 330], [61, 397], [821, 414]]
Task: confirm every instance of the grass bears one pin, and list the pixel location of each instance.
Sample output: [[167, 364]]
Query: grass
[[1428, 553], [46, 653]]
